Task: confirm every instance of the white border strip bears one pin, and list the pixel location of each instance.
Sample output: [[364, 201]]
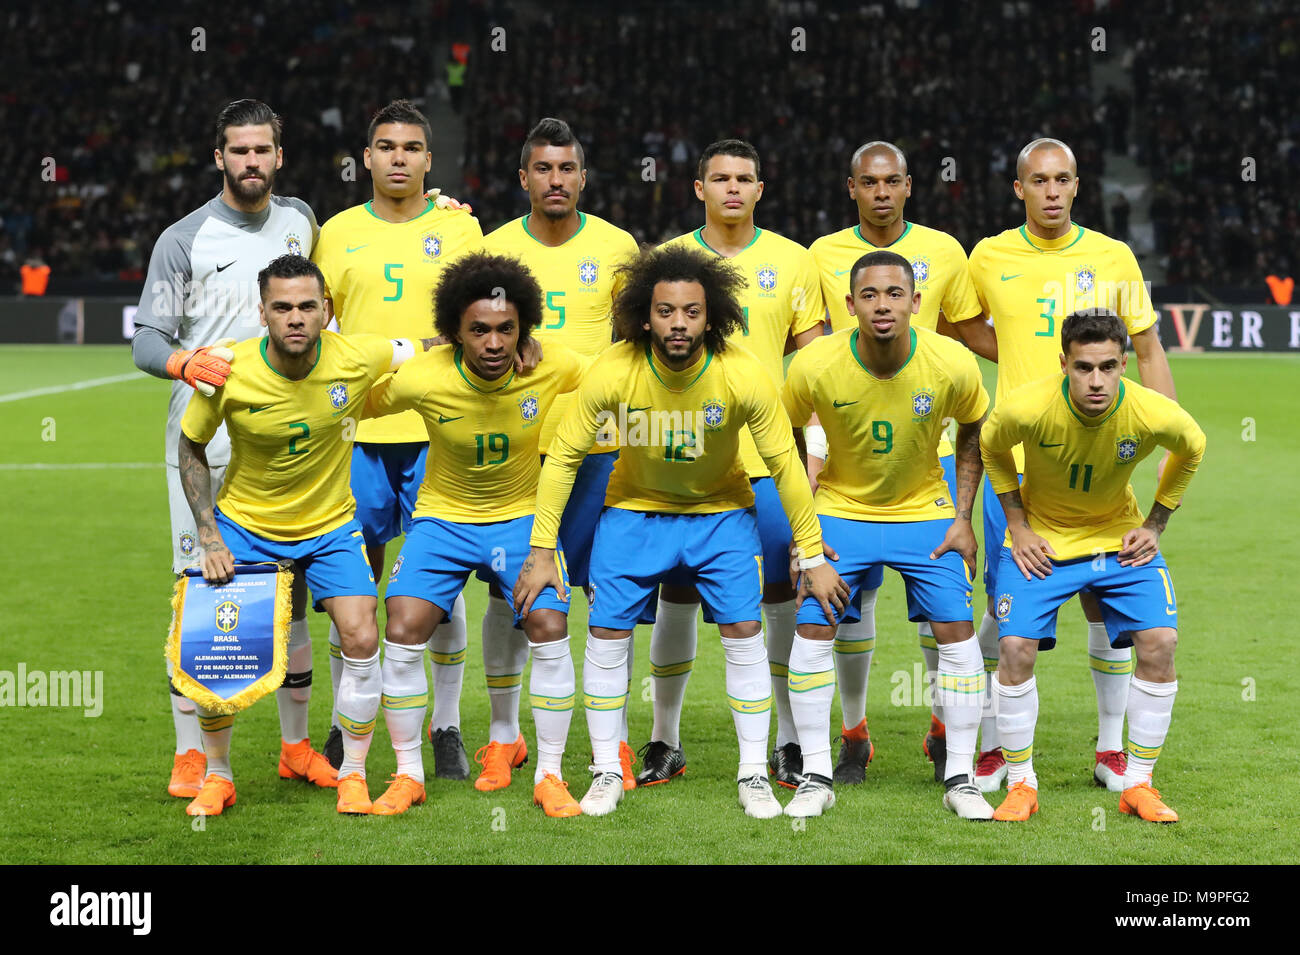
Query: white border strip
[[74, 386]]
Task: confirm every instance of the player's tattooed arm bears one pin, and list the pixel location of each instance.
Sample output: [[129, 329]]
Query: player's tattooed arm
[[196, 482], [1141, 544], [1028, 550], [960, 536], [540, 570]]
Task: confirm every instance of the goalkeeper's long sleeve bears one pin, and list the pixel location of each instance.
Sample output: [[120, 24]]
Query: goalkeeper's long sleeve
[[150, 350]]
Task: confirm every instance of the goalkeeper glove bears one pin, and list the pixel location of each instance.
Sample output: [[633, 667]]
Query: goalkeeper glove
[[447, 202], [205, 369]]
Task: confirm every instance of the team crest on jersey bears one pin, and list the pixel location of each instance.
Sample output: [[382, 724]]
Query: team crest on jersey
[[922, 403], [432, 243], [1126, 448], [1085, 280], [397, 565], [588, 271], [293, 244], [714, 413], [1004, 606], [766, 276], [227, 616], [338, 393], [187, 543], [921, 269], [528, 407]]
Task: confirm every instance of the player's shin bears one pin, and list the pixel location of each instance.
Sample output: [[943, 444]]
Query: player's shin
[[358, 706], [447, 659], [812, 690], [216, 728], [749, 692], [551, 691], [854, 643], [1017, 717], [779, 618], [1150, 710], [604, 695], [336, 670], [185, 718], [294, 695], [505, 652], [672, 656], [1111, 670], [987, 635], [959, 689], [930, 654], [405, 698]]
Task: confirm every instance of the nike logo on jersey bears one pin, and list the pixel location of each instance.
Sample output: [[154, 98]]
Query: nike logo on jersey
[[635, 410], [844, 404], [357, 248], [222, 268], [1044, 445], [1008, 278], [442, 420], [254, 409], [844, 271]]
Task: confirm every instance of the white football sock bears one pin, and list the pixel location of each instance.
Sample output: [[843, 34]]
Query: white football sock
[[405, 697], [930, 654], [185, 718], [336, 671], [551, 689], [505, 653], [1111, 670], [360, 688], [447, 660], [673, 642], [1150, 709], [604, 693], [812, 689], [216, 729], [779, 618], [959, 689], [293, 697], [1017, 717], [631, 662], [987, 635], [854, 644], [749, 692]]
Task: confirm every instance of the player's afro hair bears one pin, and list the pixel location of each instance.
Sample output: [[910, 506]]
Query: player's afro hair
[[1093, 325], [289, 267], [481, 275], [721, 280]]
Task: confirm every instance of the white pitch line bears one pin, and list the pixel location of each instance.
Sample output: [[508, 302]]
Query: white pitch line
[[74, 386], [83, 466]]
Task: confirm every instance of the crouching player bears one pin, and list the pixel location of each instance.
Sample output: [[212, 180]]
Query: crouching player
[[679, 506], [474, 512], [288, 407], [1074, 527], [883, 392]]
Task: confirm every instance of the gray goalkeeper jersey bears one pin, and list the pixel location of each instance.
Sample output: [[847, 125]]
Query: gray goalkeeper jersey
[[202, 285]]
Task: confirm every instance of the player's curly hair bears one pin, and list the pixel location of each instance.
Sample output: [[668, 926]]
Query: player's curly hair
[[482, 275], [721, 280]]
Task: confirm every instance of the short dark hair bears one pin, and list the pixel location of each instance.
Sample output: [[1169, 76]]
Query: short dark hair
[[289, 267], [881, 257], [728, 147], [481, 275], [550, 131], [722, 282], [1093, 325], [246, 112], [400, 111]]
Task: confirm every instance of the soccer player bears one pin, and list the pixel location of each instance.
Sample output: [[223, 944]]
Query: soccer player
[[781, 302], [883, 391], [202, 288], [381, 261], [1074, 526], [1026, 279], [679, 506], [574, 256], [879, 185], [286, 409], [475, 509]]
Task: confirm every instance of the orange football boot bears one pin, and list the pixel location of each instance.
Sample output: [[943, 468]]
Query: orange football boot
[[402, 793], [552, 794], [1142, 800], [217, 794], [497, 759], [299, 761], [188, 770], [626, 759], [1020, 804], [354, 797]]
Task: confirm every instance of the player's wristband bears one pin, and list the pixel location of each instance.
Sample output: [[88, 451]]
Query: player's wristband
[[814, 439], [808, 563]]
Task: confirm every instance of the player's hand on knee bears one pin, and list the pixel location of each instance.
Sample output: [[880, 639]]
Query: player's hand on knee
[[540, 571], [218, 565], [825, 586], [1030, 553], [1140, 546], [828, 552], [960, 537], [528, 356]]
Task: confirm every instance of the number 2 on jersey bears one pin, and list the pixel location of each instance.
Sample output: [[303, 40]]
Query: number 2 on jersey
[[293, 442]]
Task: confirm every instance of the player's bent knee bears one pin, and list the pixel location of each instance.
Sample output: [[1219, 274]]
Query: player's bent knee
[[739, 631], [1016, 657], [411, 620], [546, 626], [815, 631], [951, 631]]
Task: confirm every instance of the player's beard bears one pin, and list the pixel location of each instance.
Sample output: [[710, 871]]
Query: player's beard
[[678, 355], [555, 215], [250, 190]]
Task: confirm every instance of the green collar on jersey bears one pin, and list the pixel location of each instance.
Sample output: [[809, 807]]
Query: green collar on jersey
[[582, 224], [456, 357], [699, 237], [1083, 419], [649, 357], [370, 207], [262, 348], [853, 347], [907, 227], [1024, 234]]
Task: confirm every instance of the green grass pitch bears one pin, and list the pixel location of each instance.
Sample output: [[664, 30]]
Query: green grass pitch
[[87, 579]]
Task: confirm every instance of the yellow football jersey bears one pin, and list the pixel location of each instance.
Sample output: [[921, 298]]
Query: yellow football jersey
[[679, 432], [380, 276], [290, 441], [1077, 468], [578, 284], [783, 298], [483, 460], [884, 434]]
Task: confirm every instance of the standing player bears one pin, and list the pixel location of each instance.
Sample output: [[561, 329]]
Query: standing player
[[1074, 526], [381, 261], [679, 503], [286, 495], [1027, 279], [201, 288], [475, 510], [574, 256], [883, 392], [782, 301], [879, 184]]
